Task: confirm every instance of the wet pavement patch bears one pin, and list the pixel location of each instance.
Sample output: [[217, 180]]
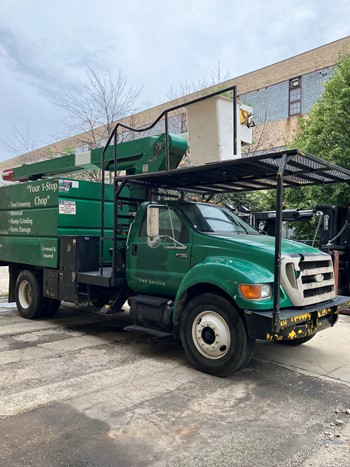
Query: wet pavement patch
[[59, 435]]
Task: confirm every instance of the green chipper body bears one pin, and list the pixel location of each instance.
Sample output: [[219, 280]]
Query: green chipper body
[[135, 157]]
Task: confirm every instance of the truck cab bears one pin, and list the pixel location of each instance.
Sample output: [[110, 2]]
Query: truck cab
[[193, 236]]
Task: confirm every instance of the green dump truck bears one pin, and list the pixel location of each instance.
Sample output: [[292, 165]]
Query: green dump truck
[[189, 269]]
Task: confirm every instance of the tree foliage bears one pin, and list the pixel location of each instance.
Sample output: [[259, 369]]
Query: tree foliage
[[186, 87], [99, 101], [91, 110], [325, 132], [18, 141]]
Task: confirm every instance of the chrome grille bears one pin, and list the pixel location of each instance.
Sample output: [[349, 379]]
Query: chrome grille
[[308, 279]]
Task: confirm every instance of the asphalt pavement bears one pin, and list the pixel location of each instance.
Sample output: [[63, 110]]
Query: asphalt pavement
[[78, 390], [327, 355]]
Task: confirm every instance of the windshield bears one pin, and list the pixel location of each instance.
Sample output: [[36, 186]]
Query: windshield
[[211, 218]]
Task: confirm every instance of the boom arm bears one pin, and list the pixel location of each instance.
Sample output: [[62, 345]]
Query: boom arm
[[137, 156]]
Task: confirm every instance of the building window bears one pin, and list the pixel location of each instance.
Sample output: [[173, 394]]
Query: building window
[[295, 96]]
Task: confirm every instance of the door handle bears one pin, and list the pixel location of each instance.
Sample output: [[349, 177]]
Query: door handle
[[134, 250]]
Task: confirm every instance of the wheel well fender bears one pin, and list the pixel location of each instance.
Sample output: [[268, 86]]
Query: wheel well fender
[[218, 275], [198, 289]]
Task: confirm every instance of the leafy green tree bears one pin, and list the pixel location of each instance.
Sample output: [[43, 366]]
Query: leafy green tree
[[325, 132]]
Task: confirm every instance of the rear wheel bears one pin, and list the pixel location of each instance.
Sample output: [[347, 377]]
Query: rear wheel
[[296, 342], [214, 337], [28, 295]]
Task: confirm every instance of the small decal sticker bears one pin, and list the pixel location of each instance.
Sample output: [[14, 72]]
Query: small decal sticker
[[67, 207]]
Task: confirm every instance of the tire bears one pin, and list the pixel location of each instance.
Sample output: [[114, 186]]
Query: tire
[[296, 342], [214, 337], [250, 351], [51, 306], [29, 296]]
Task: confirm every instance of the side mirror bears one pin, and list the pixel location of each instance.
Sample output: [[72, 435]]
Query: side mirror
[[152, 221], [153, 238]]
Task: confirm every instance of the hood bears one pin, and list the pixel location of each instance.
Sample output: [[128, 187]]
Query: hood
[[264, 243]]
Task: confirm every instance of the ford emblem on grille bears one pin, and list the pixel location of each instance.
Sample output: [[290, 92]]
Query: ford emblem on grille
[[319, 277]]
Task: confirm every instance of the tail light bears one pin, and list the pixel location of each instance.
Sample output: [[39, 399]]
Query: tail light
[[7, 175]]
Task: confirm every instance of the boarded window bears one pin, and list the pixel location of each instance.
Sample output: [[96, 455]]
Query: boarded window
[[295, 96]]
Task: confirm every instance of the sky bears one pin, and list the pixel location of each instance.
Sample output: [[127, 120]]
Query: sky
[[45, 47]]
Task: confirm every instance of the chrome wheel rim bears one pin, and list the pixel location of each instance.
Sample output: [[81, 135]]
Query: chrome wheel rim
[[211, 335], [25, 294]]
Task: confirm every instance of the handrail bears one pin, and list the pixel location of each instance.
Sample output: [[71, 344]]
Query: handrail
[[175, 107], [114, 135]]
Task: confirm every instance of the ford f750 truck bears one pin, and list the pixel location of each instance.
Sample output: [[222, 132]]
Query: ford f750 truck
[[190, 269]]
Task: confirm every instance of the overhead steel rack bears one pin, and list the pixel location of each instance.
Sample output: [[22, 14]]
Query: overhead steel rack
[[284, 169], [253, 173]]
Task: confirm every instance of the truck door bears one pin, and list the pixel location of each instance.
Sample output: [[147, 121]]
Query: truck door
[[160, 270]]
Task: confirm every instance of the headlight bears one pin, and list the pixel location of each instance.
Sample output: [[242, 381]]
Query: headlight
[[256, 291]]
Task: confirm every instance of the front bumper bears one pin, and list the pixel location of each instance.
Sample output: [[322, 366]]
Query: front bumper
[[295, 323]]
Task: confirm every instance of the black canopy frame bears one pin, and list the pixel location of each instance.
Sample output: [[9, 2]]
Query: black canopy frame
[[278, 170]]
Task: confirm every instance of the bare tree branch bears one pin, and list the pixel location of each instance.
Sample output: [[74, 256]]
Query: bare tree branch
[[18, 142], [216, 77], [101, 101]]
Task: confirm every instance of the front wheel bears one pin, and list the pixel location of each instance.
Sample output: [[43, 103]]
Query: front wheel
[[214, 337], [28, 295]]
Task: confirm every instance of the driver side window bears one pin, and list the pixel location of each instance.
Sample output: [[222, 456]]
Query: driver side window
[[168, 217]]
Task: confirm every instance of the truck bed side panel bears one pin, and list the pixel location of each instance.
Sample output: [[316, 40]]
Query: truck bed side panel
[[34, 215]]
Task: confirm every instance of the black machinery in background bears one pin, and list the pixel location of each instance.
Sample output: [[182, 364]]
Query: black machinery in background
[[332, 234], [266, 220], [334, 238]]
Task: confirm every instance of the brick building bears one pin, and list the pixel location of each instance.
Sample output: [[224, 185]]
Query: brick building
[[279, 94]]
